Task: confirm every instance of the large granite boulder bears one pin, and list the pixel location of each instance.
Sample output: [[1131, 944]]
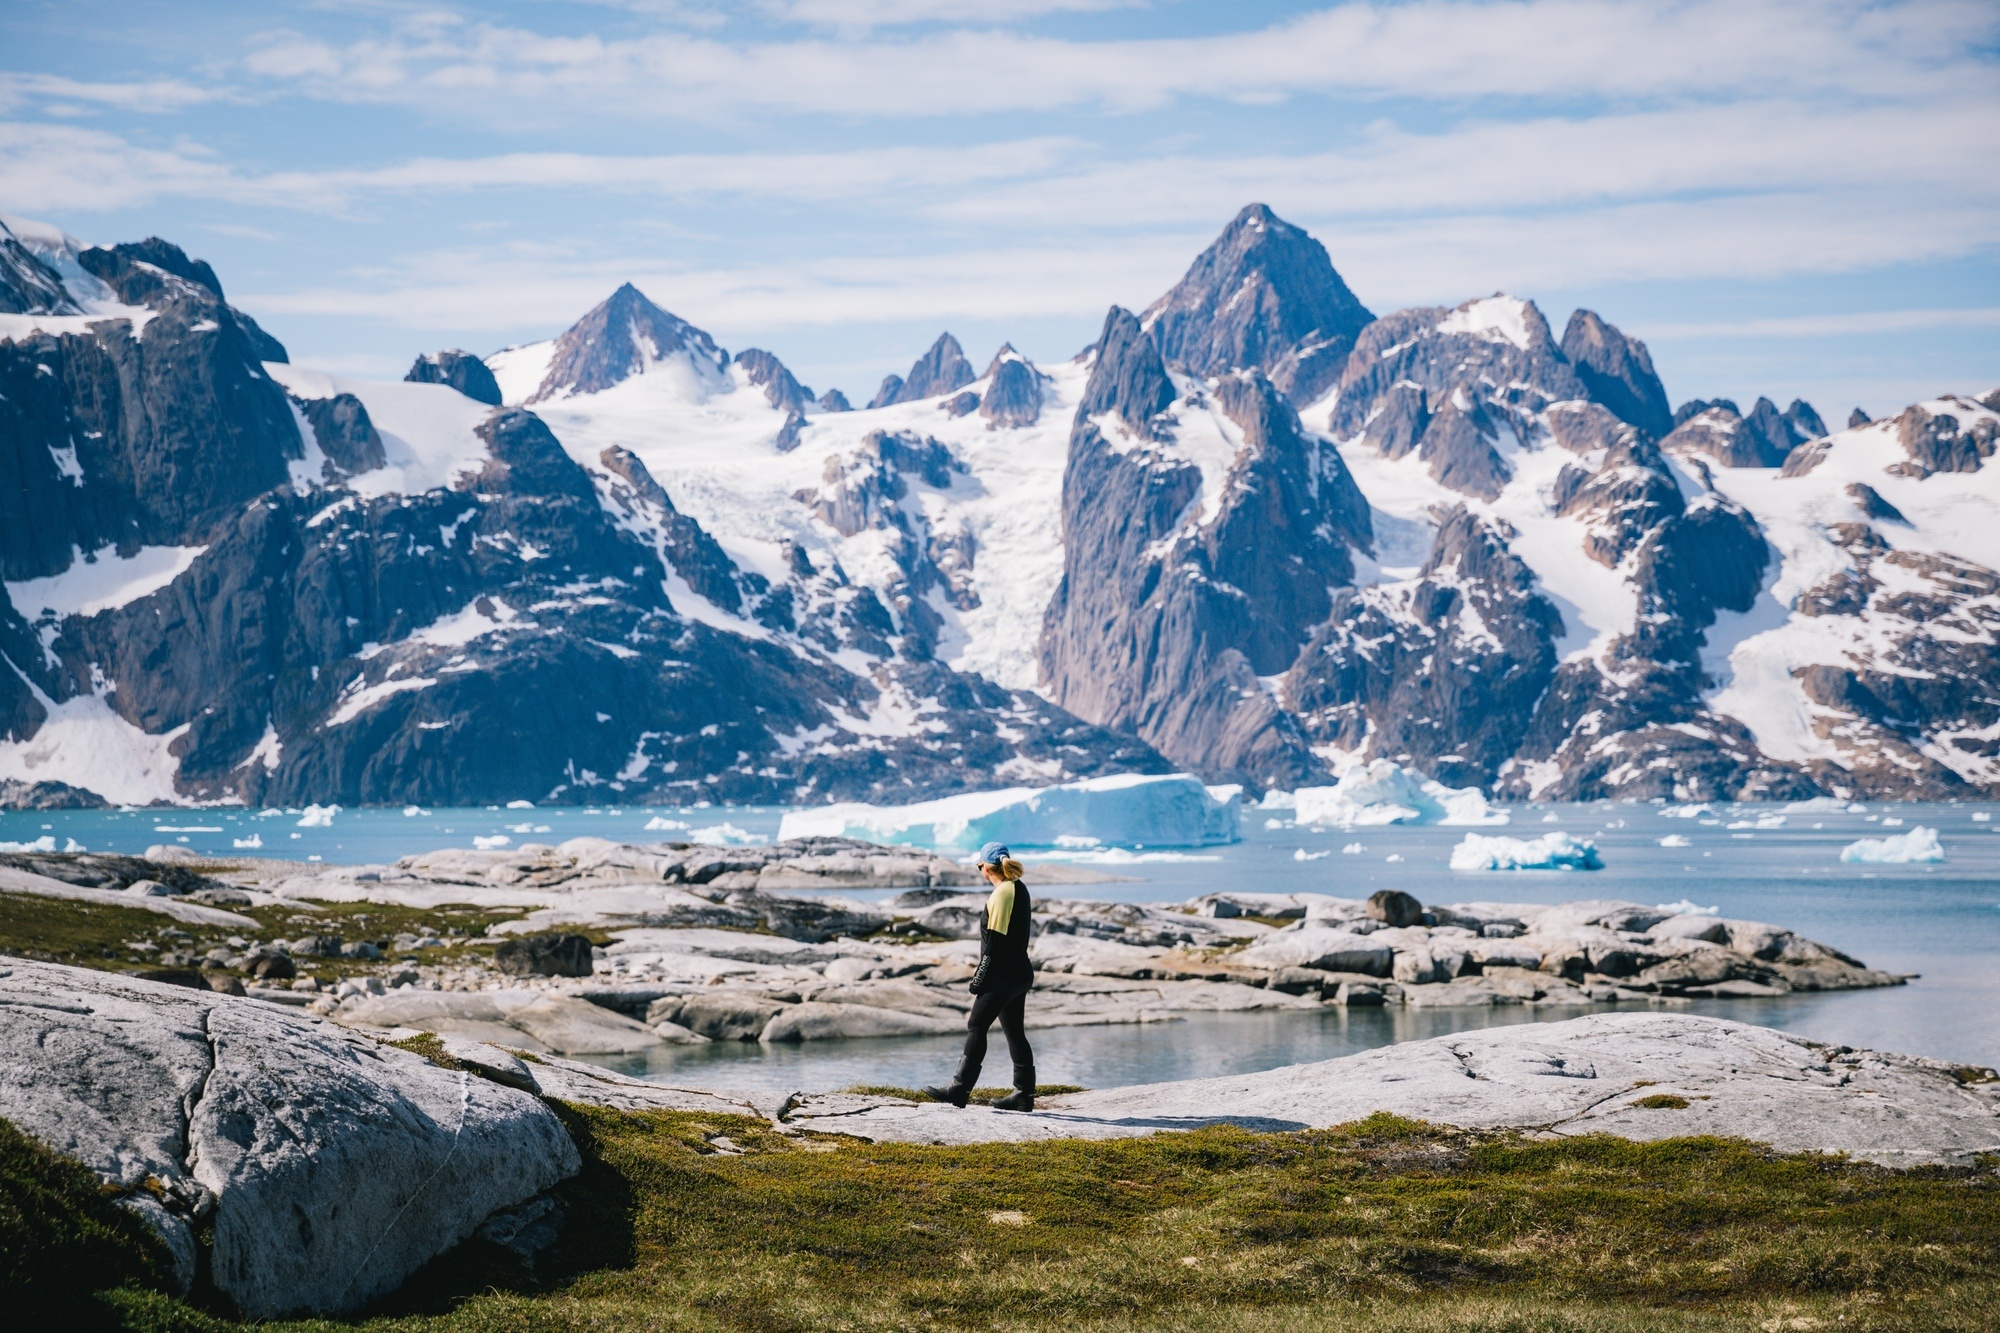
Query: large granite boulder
[[329, 1167]]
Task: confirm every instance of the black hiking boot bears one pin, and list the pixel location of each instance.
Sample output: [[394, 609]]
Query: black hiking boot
[[1022, 1098], [959, 1091]]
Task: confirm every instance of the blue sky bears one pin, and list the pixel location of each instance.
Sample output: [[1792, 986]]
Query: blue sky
[[1789, 197]]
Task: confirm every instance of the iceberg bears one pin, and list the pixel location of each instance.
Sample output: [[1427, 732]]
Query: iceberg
[[1383, 792], [1675, 840], [1918, 846], [1132, 810], [318, 816], [1551, 851], [726, 834]]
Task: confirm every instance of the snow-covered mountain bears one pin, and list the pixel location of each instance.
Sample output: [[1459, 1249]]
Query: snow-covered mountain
[[1254, 531]]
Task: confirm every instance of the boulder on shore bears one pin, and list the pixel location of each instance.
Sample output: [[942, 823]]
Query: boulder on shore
[[330, 1167]]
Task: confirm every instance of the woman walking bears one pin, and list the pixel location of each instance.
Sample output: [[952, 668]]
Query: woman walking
[[1000, 985]]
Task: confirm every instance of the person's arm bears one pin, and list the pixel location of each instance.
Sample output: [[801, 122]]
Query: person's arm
[[993, 924]]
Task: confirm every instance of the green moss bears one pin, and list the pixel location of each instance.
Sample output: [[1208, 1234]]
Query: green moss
[[94, 935], [1385, 1224], [1662, 1101], [1969, 1074], [63, 1239], [431, 1047]]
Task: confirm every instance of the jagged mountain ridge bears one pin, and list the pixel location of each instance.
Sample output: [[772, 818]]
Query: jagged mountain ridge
[[1552, 588]]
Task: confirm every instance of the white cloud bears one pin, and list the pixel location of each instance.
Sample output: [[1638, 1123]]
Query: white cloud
[[1449, 51], [154, 95]]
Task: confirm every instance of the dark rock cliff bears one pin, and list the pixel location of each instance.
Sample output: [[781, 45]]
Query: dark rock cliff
[[1180, 590], [1618, 372], [461, 370]]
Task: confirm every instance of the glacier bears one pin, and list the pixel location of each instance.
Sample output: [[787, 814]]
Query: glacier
[[1918, 846], [1384, 792], [1132, 810], [1551, 851]]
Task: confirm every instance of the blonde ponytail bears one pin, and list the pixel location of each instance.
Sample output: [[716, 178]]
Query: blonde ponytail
[[1011, 869]]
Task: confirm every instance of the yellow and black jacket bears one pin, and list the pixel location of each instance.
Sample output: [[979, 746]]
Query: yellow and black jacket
[[1003, 941]]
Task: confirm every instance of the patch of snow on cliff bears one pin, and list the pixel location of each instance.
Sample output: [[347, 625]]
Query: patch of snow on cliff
[[1551, 851], [83, 743], [1496, 318], [358, 701], [1131, 810], [102, 580], [1918, 846], [519, 371], [429, 431], [1383, 792], [1597, 604], [1756, 656], [472, 622], [718, 461]]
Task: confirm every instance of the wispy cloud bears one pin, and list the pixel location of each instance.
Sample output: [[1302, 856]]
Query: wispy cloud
[[1847, 325], [1447, 51], [53, 93]]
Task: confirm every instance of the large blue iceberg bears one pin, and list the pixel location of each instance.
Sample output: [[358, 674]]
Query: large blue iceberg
[[1131, 810]]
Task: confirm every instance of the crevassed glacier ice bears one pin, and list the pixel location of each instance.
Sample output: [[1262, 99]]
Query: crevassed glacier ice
[[1551, 851], [1383, 792], [1128, 810], [1917, 846]]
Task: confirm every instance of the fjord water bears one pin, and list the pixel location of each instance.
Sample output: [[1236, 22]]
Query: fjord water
[[1941, 922]]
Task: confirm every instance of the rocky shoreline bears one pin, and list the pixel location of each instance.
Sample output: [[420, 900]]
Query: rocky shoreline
[[595, 948]]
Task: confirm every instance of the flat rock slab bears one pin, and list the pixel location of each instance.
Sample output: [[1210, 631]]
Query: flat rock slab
[[27, 882], [1584, 1076], [529, 1020], [335, 1166]]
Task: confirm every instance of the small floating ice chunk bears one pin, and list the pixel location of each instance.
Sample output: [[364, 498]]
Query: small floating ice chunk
[[318, 816], [520, 805], [1393, 856], [1303, 855], [1383, 792], [1277, 800], [45, 843], [414, 812], [1981, 817], [661, 824], [1686, 811], [1919, 845], [1352, 849], [726, 834], [1551, 851], [1675, 840], [493, 843], [250, 843], [1688, 907], [1277, 823]]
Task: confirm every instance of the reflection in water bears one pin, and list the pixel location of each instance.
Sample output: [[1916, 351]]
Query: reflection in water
[[1113, 1055]]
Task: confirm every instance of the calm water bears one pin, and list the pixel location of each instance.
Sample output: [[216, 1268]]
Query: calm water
[[1941, 921]]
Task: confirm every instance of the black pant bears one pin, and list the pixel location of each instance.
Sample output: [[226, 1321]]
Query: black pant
[[1010, 1006]]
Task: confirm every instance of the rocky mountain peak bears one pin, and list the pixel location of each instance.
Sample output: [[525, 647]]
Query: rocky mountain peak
[[1764, 437], [29, 286], [1264, 295], [627, 335], [460, 370], [1501, 318], [1014, 391], [1129, 378], [1618, 371], [941, 370], [119, 267], [781, 388]]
